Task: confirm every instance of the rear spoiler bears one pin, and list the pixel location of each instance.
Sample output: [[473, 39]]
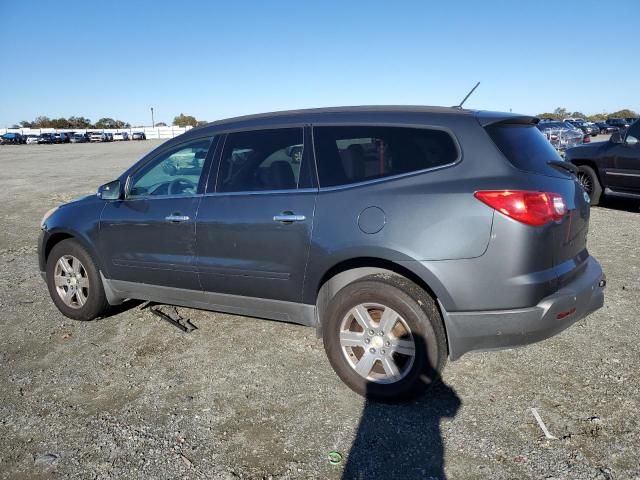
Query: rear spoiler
[[498, 118]]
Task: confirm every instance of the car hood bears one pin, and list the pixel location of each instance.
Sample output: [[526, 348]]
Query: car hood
[[586, 150]]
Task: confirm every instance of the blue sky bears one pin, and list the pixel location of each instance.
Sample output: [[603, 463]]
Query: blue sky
[[219, 59]]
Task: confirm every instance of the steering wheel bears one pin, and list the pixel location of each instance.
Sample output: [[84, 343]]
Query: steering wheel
[[180, 185]]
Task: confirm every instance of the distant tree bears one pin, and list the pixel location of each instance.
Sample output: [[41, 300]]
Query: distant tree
[[79, 122], [26, 124], [547, 115], [161, 124], [561, 112], [15, 125], [625, 113], [201, 123], [41, 122], [183, 120], [578, 115], [111, 123]]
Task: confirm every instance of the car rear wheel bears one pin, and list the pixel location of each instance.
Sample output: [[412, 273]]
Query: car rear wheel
[[590, 183], [74, 282], [384, 338]]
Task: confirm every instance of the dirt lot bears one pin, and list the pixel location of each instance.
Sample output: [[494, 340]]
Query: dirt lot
[[130, 396]]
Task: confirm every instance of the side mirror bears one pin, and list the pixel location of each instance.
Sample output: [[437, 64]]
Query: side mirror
[[616, 137], [110, 191]]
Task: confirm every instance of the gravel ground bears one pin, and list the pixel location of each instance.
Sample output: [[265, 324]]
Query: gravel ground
[[130, 396]]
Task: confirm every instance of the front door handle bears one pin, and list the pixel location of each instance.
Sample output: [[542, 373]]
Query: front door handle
[[287, 217], [177, 218]]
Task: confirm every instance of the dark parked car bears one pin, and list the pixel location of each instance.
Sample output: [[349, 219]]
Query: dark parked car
[[611, 168], [586, 127], [46, 138], [605, 128], [621, 123], [379, 226], [13, 139], [61, 138], [138, 136]]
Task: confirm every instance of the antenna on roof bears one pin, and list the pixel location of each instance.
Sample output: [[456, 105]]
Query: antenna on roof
[[468, 95]]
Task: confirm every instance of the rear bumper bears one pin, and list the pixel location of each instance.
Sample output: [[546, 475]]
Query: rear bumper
[[499, 329]]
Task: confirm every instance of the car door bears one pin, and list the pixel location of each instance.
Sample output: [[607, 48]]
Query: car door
[[254, 224], [625, 173], [149, 236]]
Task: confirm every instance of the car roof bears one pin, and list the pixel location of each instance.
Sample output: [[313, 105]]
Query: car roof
[[354, 114]]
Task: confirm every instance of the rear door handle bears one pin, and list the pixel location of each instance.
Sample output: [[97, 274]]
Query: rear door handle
[[177, 218], [289, 218]]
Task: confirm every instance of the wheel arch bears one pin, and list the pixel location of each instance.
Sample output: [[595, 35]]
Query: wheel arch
[[579, 162], [349, 271], [57, 236]]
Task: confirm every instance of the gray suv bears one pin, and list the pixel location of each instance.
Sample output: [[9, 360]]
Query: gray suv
[[405, 235]]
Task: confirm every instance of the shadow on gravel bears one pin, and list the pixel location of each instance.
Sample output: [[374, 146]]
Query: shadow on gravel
[[402, 441], [123, 307], [627, 205]]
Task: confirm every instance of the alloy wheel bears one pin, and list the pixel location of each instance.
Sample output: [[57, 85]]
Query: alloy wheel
[[377, 343], [586, 181], [71, 281]]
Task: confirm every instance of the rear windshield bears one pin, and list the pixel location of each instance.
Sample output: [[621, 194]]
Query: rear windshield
[[525, 147]]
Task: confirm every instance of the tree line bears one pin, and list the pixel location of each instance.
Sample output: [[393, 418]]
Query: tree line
[[106, 122], [562, 113]]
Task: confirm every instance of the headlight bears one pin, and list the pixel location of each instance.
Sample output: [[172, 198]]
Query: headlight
[[47, 215]]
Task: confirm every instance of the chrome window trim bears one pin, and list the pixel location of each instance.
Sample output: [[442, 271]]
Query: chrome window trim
[[261, 192]]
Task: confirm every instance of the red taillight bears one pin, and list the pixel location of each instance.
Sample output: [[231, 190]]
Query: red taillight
[[532, 208]]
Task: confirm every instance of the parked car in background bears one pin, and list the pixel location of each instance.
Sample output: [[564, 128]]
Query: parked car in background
[[631, 120], [97, 137], [561, 135], [606, 129], [109, 137], [79, 138], [347, 250], [621, 123], [611, 168], [13, 139], [586, 127], [138, 136], [61, 137], [120, 136], [32, 139], [46, 138]]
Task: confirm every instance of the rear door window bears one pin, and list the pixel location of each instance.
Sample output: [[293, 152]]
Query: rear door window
[[353, 154], [525, 147]]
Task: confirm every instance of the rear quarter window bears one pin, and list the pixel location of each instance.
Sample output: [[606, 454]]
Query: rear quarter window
[[525, 147], [353, 154]]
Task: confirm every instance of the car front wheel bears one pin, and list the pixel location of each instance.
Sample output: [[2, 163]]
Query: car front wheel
[[384, 338], [74, 282]]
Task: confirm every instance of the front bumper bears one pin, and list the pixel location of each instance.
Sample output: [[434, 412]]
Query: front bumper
[[499, 329]]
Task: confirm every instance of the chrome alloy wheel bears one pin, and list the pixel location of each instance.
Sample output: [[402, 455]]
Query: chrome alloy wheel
[[377, 343], [71, 281], [586, 182]]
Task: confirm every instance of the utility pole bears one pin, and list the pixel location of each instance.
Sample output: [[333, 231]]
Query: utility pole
[[153, 123]]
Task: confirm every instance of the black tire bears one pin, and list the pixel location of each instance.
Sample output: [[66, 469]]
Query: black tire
[[419, 312], [589, 181], [96, 302]]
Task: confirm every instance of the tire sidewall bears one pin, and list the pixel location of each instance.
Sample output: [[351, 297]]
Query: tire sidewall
[[597, 188], [429, 354], [96, 301]]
